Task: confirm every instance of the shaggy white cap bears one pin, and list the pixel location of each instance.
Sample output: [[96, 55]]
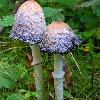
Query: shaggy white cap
[[29, 23], [59, 38]]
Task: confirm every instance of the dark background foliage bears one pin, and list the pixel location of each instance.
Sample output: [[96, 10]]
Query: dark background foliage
[[16, 80]]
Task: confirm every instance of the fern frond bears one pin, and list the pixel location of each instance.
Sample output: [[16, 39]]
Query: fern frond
[[6, 20], [49, 12], [52, 14], [88, 3]]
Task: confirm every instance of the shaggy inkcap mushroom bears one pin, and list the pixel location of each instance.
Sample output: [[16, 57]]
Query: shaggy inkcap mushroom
[[29, 27], [59, 38], [29, 24]]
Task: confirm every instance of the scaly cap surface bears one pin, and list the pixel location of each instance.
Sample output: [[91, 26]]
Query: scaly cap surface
[[60, 38], [29, 24]]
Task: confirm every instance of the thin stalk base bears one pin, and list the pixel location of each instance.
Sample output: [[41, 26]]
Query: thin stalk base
[[38, 70], [58, 76]]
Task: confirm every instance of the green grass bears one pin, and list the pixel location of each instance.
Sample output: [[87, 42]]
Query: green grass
[[85, 86], [17, 80]]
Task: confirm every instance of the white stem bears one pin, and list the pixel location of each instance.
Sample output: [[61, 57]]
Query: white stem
[[38, 70], [58, 76]]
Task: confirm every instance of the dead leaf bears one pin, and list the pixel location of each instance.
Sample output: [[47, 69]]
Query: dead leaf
[[28, 60], [67, 76]]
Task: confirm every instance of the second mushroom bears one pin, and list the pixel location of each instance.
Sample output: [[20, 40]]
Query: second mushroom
[[58, 39]]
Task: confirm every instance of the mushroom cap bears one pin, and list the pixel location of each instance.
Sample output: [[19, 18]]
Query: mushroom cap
[[29, 24], [59, 38]]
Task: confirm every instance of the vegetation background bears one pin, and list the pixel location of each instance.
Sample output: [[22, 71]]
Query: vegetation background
[[83, 83]]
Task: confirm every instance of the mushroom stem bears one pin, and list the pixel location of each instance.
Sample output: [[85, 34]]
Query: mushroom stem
[[58, 75], [37, 59]]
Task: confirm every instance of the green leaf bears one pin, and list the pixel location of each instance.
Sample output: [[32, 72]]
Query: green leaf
[[7, 20], [22, 74], [74, 25], [15, 96], [97, 35], [90, 3], [88, 19], [4, 82], [8, 75], [58, 17], [22, 90], [42, 2], [6, 7], [67, 3], [96, 32], [97, 61], [22, 70], [87, 34], [87, 4], [52, 15], [49, 12], [68, 94], [97, 12], [29, 94], [35, 94], [3, 3]]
